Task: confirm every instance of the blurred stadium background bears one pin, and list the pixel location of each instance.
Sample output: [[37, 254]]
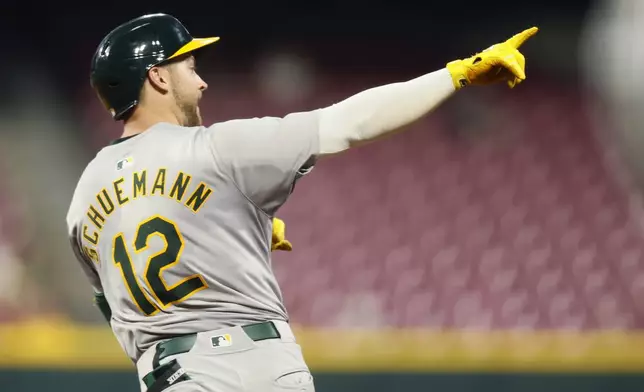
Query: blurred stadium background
[[496, 246]]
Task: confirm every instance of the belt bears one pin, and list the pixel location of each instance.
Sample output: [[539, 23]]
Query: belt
[[183, 344]]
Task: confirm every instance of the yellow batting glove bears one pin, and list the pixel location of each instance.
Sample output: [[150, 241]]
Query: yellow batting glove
[[500, 62], [279, 241]]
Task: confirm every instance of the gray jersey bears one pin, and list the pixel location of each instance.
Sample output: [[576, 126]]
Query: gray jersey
[[174, 225]]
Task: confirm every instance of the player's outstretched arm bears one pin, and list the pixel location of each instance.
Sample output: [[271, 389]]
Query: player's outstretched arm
[[383, 110]]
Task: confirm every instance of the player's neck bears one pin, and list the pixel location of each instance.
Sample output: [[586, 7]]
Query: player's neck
[[142, 120]]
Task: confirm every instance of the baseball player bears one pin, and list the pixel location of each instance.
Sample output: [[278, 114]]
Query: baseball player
[[173, 223]]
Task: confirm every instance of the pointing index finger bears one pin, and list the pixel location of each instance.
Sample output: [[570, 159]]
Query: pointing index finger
[[518, 39]]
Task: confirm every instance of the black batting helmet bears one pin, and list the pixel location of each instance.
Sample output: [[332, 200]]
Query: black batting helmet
[[124, 57]]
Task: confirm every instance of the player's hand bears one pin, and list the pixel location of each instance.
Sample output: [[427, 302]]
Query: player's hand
[[499, 63], [279, 241]]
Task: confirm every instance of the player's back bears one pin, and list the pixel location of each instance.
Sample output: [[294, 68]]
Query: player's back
[[170, 238]]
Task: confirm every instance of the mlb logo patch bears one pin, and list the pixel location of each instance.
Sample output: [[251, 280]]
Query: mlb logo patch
[[120, 165], [221, 340]]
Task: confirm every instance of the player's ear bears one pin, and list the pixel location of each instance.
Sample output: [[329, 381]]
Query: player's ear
[[159, 78]]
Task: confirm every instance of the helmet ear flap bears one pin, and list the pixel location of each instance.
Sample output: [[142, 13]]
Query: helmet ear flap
[[106, 104]]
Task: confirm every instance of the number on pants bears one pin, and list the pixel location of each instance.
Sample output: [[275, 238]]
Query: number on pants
[[168, 256]]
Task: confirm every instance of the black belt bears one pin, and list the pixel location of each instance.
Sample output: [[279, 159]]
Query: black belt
[[157, 379]]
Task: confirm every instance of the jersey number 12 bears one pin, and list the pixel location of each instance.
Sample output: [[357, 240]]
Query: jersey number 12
[[152, 275]]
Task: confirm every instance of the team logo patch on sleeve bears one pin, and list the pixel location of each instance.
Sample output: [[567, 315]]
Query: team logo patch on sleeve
[[123, 163], [222, 340]]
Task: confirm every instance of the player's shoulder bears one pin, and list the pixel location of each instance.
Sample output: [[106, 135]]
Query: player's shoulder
[[263, 122], [243, 123], [231, 135]]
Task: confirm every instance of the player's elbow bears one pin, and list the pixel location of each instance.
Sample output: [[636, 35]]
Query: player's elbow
[[338, 131]]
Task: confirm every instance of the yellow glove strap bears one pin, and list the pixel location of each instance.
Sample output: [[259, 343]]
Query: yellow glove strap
[[459, 73]]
